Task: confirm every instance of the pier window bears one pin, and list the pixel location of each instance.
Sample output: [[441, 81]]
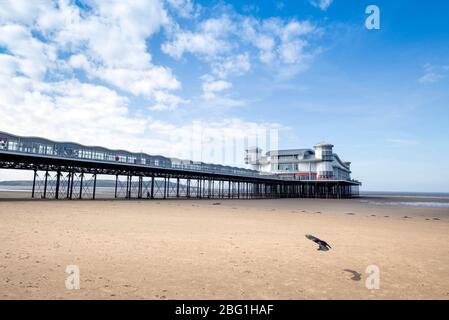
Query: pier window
[[288, 157], [3, 143], [287, 167], [324, 175]]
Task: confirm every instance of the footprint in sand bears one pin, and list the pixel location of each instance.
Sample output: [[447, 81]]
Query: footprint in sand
[[350, 213], [436, 218], [373, 215], [406, 217], [386, 216]]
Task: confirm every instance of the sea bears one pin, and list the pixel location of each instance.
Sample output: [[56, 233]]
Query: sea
[[420, 199], [435, 195], [382, 198]]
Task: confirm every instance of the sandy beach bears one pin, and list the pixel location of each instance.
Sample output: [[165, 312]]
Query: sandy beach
[[223, 249]]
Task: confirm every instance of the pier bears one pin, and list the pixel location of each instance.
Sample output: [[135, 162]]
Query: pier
[[66, 170]]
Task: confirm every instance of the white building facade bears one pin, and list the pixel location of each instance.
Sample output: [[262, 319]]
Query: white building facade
[[300, 164]]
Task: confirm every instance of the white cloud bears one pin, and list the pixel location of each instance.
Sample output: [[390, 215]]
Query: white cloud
[[279, 41], [430, 77], [208, 40], [211, 87], [23, 12], [433, 73], [166, 101], [107, 41], [322, 4], [216, 95], [32, 55], [79, 61], [140, 82], [219, 38], [48, 43], [227, 41], [184, 8], [233, 65]]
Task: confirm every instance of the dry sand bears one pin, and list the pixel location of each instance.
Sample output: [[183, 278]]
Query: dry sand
[[242, 249]]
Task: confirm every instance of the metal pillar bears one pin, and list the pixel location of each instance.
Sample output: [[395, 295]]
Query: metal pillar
[[140, 191], [152, 187], [58, 180], [116, 181], [188, 188], [34, 183], [238, 190], [95, 186], [69, 176], [45, 184], [81, 185], [177, 187], [71, 185], [128, 183], [209, 188]]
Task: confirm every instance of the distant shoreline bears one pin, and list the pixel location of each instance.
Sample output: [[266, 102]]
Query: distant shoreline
[[107, 193]]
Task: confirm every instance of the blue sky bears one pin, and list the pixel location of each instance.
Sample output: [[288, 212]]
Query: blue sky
[[138, 76]]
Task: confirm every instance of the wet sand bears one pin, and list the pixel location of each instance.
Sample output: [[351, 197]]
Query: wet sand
[[222, 249]]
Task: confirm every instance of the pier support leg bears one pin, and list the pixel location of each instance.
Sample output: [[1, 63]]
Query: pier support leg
[[58, 180], [81, 185], [127, 186], [139, 192], [238, 190], [69, 176], [209, 188], [116, 182], [71, 186], [45, 184], [34, 183], [152, 187], [188, 188], [95, 186], [166, 188]]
